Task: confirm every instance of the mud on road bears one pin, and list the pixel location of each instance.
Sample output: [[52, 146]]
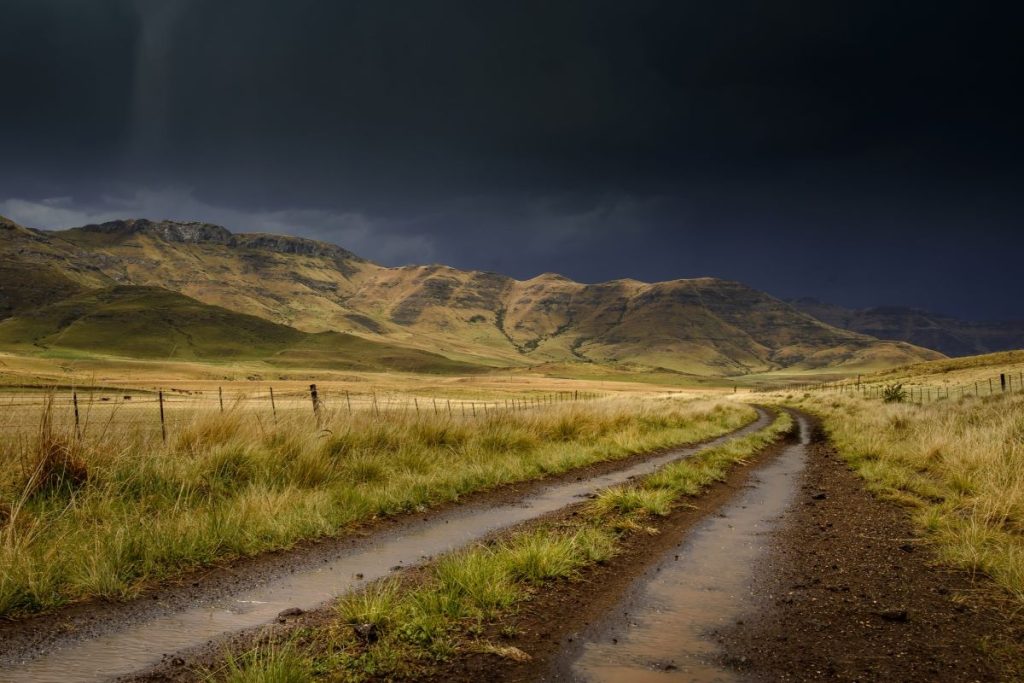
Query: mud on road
[[851, 592], [658, 629], [554, 624]]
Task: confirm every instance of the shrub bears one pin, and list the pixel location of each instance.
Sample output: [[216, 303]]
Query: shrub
[[894, 393]]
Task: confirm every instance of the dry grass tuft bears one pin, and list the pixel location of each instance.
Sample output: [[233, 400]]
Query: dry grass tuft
[[53, 466]]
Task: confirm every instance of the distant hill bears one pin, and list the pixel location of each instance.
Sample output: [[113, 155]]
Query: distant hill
[[146, 322], [150, 322], [32, 272], [947, 334], [702, 326]]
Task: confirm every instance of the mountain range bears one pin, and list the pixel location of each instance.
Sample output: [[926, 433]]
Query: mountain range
[[947, 334], [166, 289]]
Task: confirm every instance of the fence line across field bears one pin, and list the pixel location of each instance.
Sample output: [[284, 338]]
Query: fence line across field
[[1004, 383], [101, 408]]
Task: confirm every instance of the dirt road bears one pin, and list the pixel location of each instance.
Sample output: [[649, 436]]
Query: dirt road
[[787, 571], [98, 642]]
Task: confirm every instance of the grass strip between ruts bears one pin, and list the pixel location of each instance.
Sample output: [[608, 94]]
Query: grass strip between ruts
[[405, 627]]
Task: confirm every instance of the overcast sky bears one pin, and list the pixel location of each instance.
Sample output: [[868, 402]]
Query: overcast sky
[[859, 152]]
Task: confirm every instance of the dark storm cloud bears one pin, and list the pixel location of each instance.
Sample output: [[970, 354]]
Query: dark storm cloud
[[859, 152]]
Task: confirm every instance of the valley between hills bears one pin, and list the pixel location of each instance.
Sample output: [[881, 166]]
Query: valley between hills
[[194, 293]]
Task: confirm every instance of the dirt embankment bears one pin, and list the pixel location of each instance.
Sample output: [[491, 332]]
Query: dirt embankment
[[850, 591]]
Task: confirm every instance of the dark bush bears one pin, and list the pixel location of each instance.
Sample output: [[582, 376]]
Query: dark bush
[[894, 393]]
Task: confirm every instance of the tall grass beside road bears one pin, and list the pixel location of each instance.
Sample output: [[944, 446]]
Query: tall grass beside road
[[958, 464], [105, 515]]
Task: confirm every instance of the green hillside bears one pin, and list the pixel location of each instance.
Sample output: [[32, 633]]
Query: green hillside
[[342, 351], [154, 323], [146, 322]]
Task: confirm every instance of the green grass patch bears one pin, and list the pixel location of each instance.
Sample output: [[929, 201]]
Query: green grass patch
[[156, 323]]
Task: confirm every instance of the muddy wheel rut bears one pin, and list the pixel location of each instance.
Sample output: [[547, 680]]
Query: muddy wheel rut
[[658, 630], [639, 616], [99, 642]]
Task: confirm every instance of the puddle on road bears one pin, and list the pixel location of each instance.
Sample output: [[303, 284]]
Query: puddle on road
[[658, 632], [141, 644]]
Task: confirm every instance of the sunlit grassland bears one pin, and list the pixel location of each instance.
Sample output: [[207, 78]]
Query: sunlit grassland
[[106, 514], [957, 463], [402, 628], [658, 493], [956, 370], [246, 376]]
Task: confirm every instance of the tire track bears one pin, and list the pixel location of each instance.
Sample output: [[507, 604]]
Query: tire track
[[659, 629]]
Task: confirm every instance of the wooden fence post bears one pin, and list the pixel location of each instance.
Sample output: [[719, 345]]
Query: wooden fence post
[[348, 402], [163, 428], [220, 395], [273, 406], [78, 430], [315, 398], [1002, 381]]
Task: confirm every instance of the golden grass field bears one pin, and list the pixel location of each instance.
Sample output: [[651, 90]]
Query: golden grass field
[[957, 463], [104, 514]]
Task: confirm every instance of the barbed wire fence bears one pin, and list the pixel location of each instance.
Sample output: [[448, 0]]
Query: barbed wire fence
[[1002, 384], [167, 410]]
